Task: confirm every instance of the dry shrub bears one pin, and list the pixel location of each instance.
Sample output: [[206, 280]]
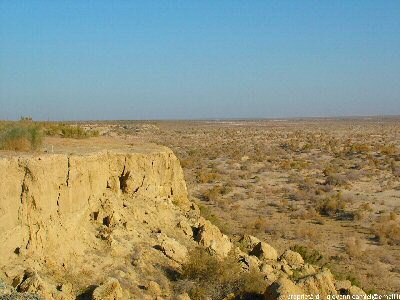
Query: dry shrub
[[204, 176], [21, 137], [388, 149], [335, 180], [354, 247], [68, 131], [387, 231], [204, 276], [260, 223], [331, 205]]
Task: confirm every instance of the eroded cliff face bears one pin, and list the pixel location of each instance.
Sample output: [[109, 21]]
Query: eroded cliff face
[[71, 214]]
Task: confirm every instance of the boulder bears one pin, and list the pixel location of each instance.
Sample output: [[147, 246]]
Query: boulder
[[109, 290], [173, 249], [342, 285], [321, 283], [264, 251], [210, 237], [355, 290], [281, 289], [35, 284], [292, 258], [248, 242], [306, 270]]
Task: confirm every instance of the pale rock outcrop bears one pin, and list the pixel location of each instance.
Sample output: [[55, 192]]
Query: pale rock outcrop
[[321, 283], [109, 290], [342, 285], [264, 251], [355, 290], [35, 285], [77, 216], [172, 249], [248, 242], [210, 237], [292, 258], [306, 270], [281, 289]]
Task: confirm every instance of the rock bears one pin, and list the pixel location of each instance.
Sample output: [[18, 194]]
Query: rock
[[264, 251], [210, 237], [183, 296], [248, 242], [109, 290], [342, 285], [173, 249], [355, 290], [282, 289], [154, 288], [186, 228], [321, 283], [286, 269], [306, 270], [250, 262], [266, 269], [34, 284], [292, 258]]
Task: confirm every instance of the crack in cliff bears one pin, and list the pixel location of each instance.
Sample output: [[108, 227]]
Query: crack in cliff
[[123, 178], [69, 169], [141, 185], [24, 187]]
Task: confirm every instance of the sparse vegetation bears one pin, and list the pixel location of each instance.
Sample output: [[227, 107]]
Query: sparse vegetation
[[21, 136], [205, 276]]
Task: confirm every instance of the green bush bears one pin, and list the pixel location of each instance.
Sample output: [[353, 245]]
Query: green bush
[[310, 256]]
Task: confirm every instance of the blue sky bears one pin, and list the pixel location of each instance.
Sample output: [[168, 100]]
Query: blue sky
[[98, 59]]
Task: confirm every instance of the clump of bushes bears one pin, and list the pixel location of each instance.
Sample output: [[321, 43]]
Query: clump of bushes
[[204, 176], [206, 277], [387, 230], [310, 256], [69, 131], [21, 137], [331, 205]]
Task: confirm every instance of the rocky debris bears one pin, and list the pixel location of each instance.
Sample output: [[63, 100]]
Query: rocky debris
[[355, 290], [264, 251], [342, 286], [109, 290], [34, 284], [9, 293], [210, 237], [249, 262], [286, 269], [321, 283], [281, 289], [183, 296], [185, 227], [154, 288], [306, 270], [292, 258], [248, 242], [172, 249]]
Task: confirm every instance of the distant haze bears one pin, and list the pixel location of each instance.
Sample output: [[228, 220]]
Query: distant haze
[[64, 60]]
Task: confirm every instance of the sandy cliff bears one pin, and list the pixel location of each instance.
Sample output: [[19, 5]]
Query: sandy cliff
[[59, 212]]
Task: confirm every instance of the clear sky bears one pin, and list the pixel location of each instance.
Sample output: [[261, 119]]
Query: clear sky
[[198, 59]]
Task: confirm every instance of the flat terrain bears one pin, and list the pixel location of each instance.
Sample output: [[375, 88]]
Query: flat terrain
[[329, 186]]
